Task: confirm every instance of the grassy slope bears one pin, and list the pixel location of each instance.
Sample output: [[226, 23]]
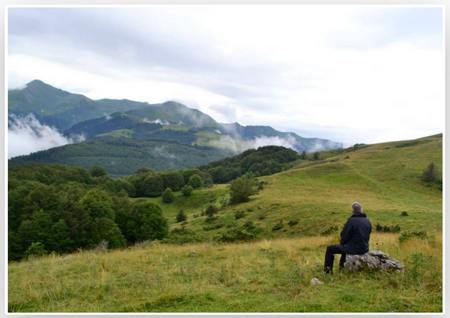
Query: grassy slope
[[270, 275], [267, 275], [384, 177]]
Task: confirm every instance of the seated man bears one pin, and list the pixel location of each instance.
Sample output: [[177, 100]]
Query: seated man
[[354, 238]]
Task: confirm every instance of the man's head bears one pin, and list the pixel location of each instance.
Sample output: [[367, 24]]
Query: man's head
[[356, 208]]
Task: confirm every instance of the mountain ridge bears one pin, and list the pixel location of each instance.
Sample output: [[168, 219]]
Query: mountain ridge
[[116, 127]]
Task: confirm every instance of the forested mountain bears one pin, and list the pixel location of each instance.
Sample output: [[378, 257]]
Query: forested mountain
[[58, 108], [123, 135]]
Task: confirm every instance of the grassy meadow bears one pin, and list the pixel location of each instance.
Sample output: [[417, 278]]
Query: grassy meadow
[[299, 212], [263, 276]]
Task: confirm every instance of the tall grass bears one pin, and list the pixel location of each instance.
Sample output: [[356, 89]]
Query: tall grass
[[263, 276]]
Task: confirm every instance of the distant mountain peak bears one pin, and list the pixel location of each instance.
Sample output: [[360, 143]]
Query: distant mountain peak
[[40, 87]]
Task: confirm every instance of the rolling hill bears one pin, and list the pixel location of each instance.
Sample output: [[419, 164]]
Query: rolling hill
[[297, 213]]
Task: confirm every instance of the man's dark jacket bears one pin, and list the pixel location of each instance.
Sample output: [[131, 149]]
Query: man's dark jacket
[[355, 235]]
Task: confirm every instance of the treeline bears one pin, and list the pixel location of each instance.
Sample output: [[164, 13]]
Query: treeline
[[60, 208], [259, 162], [53, 207]]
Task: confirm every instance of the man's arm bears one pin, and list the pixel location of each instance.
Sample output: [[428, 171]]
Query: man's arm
[[346, 231]]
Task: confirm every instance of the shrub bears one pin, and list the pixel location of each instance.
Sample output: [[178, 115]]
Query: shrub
[[407, 235], [168, 196], [430, 173], [233, 235], [404, 213], [181, 216], [387, 228], [329, 230], [209, 227], [316, 156], [35, 249], [195, 181], [292, 222], [278, 226], [181, 236], [211, 210], [239, 215], [249, 225], [187, 190], [241, 189]]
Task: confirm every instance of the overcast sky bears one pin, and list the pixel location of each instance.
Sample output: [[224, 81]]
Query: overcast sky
[[346, 73]]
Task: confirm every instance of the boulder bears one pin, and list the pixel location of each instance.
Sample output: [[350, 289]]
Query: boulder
[[373, 260]]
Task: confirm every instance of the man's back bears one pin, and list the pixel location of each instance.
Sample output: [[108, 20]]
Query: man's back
[[356, 234]]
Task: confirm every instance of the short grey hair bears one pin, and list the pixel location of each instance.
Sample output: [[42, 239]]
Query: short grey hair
[[357, 207]]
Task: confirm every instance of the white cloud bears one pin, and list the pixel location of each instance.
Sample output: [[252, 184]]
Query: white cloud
[[350, 73], [27, 135], [238, 145]]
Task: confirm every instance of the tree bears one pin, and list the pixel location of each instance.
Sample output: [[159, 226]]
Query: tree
[[138, 180], [152, 186], [187, 190], [97, 171], [147, 222], [173, 180], [316, 155], [430, 173], [168, 196], [181, 216], [303, 155], [35, 230], [60, 240], [104, 229], [98, 204], [195, 181], [242, 188]]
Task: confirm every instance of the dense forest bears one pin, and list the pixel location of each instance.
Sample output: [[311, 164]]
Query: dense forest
[[61, 208]]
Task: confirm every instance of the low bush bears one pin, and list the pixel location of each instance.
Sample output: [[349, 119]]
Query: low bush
[[187, 190], [329, 230], [181, 216], [181, 236], [387, 228], [404, 236], [168, 196], [278, 226], [211, 210], [214, 226], [239, 215]]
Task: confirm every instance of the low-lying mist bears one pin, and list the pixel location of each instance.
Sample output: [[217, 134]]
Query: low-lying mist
[[238, 145], [27, 134]]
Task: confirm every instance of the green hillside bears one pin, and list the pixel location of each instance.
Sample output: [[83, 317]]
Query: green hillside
[[121, 155], [316, 195], [286, 226]]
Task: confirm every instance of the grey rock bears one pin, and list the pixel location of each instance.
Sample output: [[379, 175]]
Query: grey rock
[[315, 281], [373, 260]]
